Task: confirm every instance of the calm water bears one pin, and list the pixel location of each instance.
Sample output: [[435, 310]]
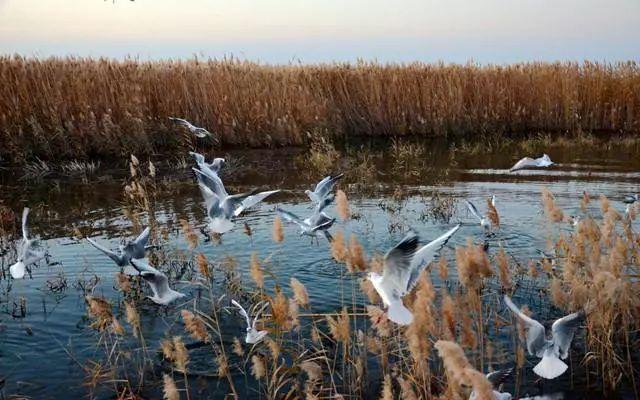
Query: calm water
[[38, 351]]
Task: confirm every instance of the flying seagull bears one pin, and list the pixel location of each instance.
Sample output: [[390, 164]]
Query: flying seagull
[[134, 249], [402, 267], [550, 350], [214, 166], [323, 189], [631, 198], [221, 206], [529, 162], [253, 335], [317, 223], [484, 221], [27, 253], [496, 378], [159, 283], [195, 130]]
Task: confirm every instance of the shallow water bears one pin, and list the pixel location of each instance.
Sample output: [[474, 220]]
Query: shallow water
[[40, 352]]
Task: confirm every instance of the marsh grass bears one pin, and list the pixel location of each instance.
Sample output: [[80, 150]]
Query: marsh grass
[[104, 108]]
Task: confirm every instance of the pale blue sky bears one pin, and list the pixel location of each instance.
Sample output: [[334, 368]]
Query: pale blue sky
[[494, 31]]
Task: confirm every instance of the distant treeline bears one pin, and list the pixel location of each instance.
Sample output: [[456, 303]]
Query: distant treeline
[[75, 107]]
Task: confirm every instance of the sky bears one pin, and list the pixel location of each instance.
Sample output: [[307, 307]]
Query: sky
[[292, 31]]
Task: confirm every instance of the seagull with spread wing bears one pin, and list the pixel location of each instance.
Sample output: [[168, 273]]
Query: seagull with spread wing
[[158, 282], [195, 130], [323, 189], [213, 167], [317, 223], [496, 378], [27, 253], [528, 162], [553, 349], [134, 249], [253, 335], [223, 207], [402, 267], [484, 221]]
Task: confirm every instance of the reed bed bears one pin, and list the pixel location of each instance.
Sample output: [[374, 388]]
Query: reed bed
[[76, 108]]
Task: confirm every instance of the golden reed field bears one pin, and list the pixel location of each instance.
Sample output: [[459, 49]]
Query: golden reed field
[[78, 107]]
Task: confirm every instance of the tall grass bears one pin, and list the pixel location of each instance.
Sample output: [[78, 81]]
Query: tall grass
[[74, 107]]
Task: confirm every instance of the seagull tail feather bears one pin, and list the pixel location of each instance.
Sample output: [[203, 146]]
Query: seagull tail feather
[[399, 314], [550, 367]]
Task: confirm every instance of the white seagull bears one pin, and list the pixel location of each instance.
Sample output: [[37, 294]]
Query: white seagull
[[317, 223], [159, 283], [221, 206], [253, 335], [496, 378], [195, 130], [323, 189], [27, 253], [402, 267], [550, 350], [484, 221], [529, 162], [134, 249], [214, 166]]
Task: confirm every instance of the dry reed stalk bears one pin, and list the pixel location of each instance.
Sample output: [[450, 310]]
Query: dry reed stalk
[[123, 283], [180, 354], [300, 293], [503, 268], [406, 389], [339, 326], [258, 368], [203, 265], [278, 233], [256, 271], [492, 213], [194, 326], [170, 390], [357, 260], [387, 389], [339, 250], [422, 327], [342, 205], [473, 265], [132, 317]]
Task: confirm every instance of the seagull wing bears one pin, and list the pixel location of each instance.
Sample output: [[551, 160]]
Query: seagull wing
[[158, 281], [426, 254], [112, 255], [397, 266], [252, 200], [524, 163], [291, 217], [535, 330], [25, 231], [212, 181], [243, 312], [199, 157], [473, 210], [563, 331], [498, 377], [323, 223], [257, 315], [143, 238], [217, 164], [325, 186], [182, 121]]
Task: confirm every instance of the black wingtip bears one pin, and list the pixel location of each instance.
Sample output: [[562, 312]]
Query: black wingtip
[[409, 243]]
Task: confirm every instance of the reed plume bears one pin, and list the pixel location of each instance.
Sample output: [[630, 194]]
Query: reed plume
[[300, 293], [278, 233], [342, 205], [170, 390], [195, 326], [256, 271]]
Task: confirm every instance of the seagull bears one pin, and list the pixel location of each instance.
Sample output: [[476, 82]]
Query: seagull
[[529, 162], [253, 335], [484, 221], [27, 254], [196, 130], [550, 350], [221, 206], [315, 224], [554, 396], [323, 189], [159, 283], [402, 267], [134, 249], [215, 166], [631, 198], [496, 378]]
